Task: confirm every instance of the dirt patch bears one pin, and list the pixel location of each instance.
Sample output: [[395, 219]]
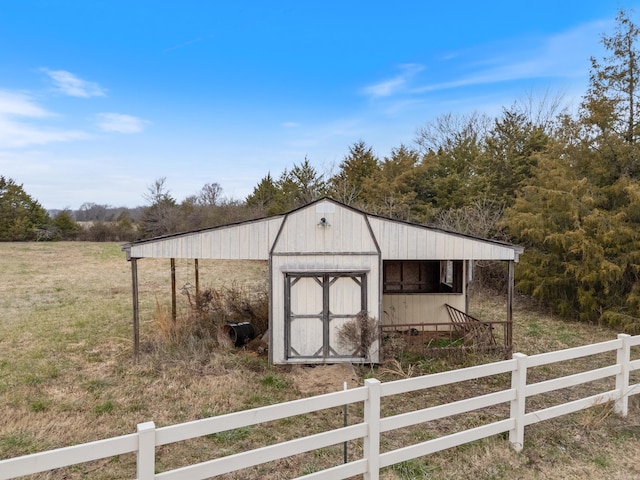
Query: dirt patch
[[321, 379]]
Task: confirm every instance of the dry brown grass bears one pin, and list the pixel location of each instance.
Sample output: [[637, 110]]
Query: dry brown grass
[[67, 376]]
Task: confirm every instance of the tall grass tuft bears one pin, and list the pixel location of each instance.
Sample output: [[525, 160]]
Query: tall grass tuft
[[169, 331]]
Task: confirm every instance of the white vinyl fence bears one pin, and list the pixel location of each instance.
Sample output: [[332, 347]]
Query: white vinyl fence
[[148, 438]]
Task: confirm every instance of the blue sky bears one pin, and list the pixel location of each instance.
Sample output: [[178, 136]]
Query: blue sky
[[98, 98]]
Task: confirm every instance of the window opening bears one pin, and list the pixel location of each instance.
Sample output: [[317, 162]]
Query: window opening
[[422, 276]]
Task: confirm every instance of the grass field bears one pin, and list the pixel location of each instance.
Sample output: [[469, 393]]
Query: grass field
[[67, 376]]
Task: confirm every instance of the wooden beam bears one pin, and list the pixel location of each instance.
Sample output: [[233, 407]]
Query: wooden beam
[[197, 273], [468, 277], [136, 309], [173, 290]]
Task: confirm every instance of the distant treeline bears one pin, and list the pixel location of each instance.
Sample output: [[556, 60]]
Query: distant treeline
[[92, 212]]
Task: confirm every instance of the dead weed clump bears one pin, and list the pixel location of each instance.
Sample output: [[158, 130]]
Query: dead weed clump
[[358, 335], [200, 325]]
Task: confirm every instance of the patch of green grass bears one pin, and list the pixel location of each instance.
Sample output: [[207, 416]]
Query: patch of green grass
[[602, 461], [254, 364], [34, 373], [627, 432], [18, 442], [308, 469], [96, 386], [422, 435], [274, 381], [412, 470], [33, 380], [51, 371], [567, 336], [534, 328], [82, 323], [137, 407], [39, 404], [257, 400], [231, 436], [104, 407]]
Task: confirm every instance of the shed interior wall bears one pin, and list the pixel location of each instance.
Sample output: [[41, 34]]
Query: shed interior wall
[[419, 308]]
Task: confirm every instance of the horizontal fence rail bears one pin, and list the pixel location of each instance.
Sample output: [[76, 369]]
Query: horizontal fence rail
[[145, 442]]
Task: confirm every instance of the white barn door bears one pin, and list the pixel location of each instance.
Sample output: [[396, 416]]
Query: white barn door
[[317, 305]]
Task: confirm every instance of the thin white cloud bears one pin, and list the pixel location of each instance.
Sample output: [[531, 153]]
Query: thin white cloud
[[395, 84], [15, 132], [20, 105], [188, 42], [563, 55], [69, 84], [290, 124], [120, 123]]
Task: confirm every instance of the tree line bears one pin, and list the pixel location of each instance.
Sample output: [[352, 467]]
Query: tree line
[[563, 184]]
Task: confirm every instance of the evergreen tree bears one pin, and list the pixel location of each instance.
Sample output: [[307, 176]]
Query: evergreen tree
[[389, 189], [508, 157], [347, 185], [578, 216], [305, 184], [266, 198], [452, 147], [65, 226], [294, 188], [21, 217], [612, 100]]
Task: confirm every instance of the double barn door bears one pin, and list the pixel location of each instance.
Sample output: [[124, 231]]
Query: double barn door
[[317, 305]]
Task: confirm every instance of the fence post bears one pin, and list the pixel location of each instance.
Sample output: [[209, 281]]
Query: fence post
[[623, 358], [519, 383], [146, 451], [372, 419]]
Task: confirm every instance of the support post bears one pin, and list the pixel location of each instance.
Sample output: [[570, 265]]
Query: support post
[[623, 358], [468, 280], [197, 274], [372, 419], [136, 308], [146, 461], [519, 383], [508, 338], [173, 290]]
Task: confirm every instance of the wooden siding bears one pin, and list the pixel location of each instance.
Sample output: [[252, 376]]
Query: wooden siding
[[245, 241], [346, 231], [401, 241]]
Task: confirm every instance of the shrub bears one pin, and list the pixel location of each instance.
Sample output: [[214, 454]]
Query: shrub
[[359, 334]]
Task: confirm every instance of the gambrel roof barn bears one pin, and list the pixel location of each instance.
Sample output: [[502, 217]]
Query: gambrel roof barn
[[329, 262]]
